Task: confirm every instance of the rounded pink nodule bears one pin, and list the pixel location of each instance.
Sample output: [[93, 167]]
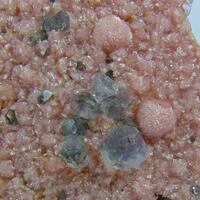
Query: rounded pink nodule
[[155, 118], [112, 33]]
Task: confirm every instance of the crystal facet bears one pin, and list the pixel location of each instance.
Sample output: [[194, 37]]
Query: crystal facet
[[124, 147]]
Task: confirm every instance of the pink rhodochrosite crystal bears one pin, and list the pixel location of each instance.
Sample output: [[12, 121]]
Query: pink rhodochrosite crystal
[[99, 100], [156, 118], [112, 33]]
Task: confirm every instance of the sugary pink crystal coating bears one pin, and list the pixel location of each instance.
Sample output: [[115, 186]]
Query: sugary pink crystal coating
[[112, 33]]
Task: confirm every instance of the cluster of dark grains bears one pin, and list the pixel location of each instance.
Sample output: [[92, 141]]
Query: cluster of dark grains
[[109, 60], [104, 98], [110, 74], [73, 150], [161, 197], [37, 37], [123, 147], [59, 21]]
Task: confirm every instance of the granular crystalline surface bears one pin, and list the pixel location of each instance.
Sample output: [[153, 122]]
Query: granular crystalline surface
[[58, 47]]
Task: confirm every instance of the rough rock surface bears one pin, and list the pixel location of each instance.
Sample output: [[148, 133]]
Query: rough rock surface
[[154, 57]]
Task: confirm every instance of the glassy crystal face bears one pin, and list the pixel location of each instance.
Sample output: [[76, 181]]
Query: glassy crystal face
[[124, 147], [58, 22], [112, 108], [84, 105], [125, 97], [103, 87], [74, 126], [73, 152], [45, 96]]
